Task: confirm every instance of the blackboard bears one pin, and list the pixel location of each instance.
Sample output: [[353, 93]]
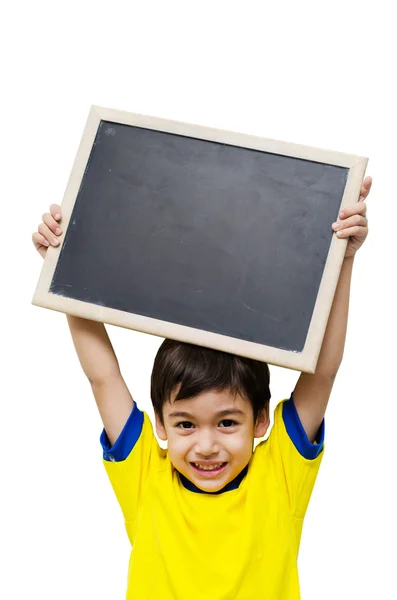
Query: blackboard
[[211, 241]]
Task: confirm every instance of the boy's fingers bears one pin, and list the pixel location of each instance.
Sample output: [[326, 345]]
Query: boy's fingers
[[40, 243], [52, 224], [356, 230], [365, 188], [56, 212], [360, 208], [48, 234], [355, 220], [39, 240]]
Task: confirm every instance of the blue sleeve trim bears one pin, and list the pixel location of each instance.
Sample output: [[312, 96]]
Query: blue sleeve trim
[[126, 440], [298, 435]]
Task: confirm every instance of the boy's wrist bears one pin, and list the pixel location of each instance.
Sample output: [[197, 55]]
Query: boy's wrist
[[348, 260]]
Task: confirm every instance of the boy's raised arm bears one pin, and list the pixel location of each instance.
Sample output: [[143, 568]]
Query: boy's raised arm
[[93, 347], [312, 392], [100, 365]]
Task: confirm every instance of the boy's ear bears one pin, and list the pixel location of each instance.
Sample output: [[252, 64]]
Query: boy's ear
[[160, 428], [262, 423]]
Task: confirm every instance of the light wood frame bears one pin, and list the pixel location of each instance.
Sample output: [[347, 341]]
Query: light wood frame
[[301, 361]]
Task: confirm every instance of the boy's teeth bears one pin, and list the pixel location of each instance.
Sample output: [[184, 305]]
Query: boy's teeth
[[209, 467]]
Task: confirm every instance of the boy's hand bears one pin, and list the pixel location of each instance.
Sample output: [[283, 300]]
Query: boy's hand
[[45, 237], [353, 223]]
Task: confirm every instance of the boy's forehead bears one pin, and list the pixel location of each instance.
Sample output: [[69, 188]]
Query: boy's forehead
[[211, 400]]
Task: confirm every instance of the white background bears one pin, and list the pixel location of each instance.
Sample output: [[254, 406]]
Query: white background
[[316, 73]]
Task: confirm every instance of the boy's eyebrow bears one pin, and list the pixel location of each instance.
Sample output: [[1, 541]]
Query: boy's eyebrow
[[222, 413]]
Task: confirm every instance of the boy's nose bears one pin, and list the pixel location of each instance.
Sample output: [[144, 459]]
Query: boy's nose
[[207, 445]]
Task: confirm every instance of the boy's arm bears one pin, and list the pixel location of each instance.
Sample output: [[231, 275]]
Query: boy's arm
[[92, 345], [312, 391], [100, 365]]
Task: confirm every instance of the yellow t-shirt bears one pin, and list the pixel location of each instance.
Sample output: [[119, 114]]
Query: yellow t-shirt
[[240, 544]]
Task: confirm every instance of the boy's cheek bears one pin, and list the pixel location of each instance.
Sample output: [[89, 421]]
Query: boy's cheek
[[177, 445]]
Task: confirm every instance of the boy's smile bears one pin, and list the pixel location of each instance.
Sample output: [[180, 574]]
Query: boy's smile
[[210, 437], [209, 469]]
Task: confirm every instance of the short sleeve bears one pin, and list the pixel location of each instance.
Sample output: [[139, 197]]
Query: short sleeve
[[130, 462], [126, 440], [296, 461]]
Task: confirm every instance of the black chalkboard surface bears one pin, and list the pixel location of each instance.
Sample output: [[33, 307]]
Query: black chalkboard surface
[[206, 236]]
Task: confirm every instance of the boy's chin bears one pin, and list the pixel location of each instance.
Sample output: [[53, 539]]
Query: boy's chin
[[210, 483], [211, 486]]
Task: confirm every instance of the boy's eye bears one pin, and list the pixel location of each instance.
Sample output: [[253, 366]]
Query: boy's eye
[[228, 422], [185, 425]]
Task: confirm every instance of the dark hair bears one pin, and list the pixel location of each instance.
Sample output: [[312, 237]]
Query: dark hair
[[200, 369]]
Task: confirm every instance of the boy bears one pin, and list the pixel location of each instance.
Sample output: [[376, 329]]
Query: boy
[[209, 517]]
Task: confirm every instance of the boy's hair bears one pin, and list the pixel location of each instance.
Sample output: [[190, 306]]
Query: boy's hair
[[200, 369]]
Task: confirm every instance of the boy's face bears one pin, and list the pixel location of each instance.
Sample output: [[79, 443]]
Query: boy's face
[[214, 429]]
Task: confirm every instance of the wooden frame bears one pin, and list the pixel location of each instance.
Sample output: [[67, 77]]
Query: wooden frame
[[302, 361]]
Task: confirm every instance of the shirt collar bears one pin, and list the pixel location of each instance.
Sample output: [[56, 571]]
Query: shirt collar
[[232, 485]]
